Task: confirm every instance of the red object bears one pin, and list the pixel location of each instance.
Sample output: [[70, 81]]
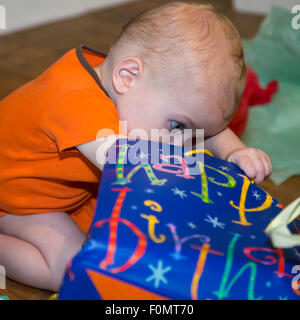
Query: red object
[[253, 95]]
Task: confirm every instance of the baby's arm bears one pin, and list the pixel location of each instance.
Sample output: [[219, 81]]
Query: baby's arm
[[254, 162]]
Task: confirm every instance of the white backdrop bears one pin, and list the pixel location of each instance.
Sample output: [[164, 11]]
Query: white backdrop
[[21, 14]]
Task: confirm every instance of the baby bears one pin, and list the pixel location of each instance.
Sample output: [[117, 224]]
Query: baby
[[176, 66]]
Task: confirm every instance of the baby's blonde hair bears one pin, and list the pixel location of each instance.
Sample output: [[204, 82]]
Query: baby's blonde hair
[[186, 36]]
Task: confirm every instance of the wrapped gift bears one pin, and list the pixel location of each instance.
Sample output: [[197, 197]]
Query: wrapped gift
[[185, 226]]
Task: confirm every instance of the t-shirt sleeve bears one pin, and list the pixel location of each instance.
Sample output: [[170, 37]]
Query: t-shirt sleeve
[[79, 117]]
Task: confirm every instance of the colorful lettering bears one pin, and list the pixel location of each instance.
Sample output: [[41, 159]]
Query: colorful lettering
[[113, 233], [153, 205], [266, 204], [183, 169], [146, 166], [225, 287], [271, 260], [204, 250], [178, 242], [152, 221], [204, 195]]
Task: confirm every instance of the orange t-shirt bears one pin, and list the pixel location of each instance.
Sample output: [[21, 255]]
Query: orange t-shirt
[[40, 125]]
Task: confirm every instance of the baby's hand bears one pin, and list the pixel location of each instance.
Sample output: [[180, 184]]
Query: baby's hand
[[254, 162]]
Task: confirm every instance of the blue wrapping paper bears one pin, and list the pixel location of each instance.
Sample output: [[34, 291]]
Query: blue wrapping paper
[[161, 233]]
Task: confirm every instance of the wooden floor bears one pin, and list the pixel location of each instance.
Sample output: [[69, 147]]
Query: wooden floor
[[26, 54]]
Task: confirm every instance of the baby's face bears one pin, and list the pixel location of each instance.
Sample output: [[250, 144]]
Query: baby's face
[[178, 104]]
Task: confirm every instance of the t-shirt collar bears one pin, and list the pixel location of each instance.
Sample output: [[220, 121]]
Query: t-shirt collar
[[82, 59]]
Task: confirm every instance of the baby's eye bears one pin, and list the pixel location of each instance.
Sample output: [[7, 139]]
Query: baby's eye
[[177, 125]]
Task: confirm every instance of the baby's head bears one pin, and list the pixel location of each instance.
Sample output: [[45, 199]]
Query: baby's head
[[178, 65]]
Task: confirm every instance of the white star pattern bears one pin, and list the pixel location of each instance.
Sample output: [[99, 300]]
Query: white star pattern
[[192, 225], [256, 195], [224, 168], [158, 273], [133, 207], [143, 155], [181, 193], [214, 221], [149, 190], [297, 254], [219, 194]]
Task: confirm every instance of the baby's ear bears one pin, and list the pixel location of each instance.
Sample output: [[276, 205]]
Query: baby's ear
[[125, 74]]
